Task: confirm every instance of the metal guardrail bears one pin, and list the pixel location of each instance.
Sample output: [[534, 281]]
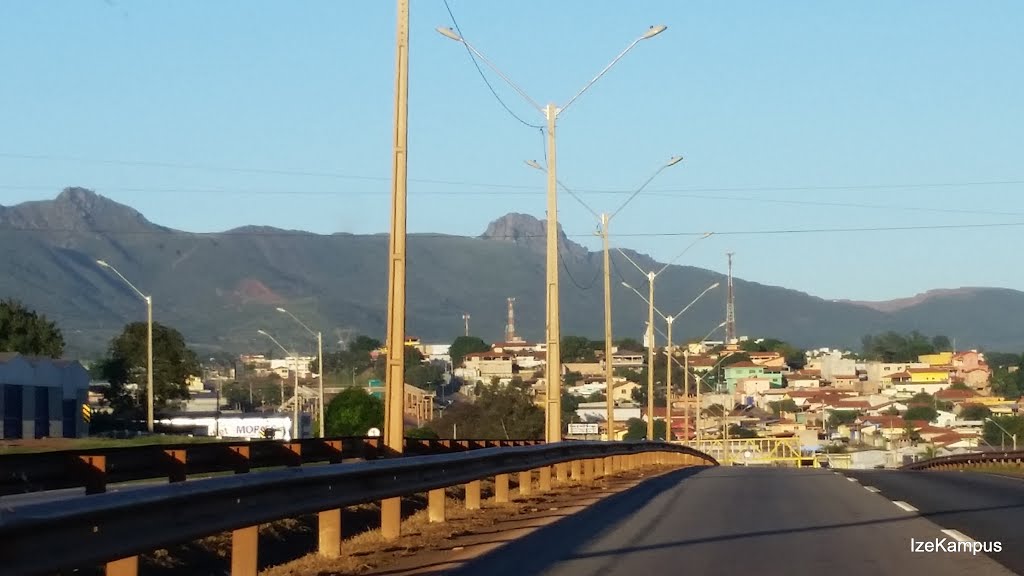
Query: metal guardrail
[[972, 460], [93, 469], [116, 527]]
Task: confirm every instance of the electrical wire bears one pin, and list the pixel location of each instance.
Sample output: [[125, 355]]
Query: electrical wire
[[572, 278], [168, 231], [480, 71]]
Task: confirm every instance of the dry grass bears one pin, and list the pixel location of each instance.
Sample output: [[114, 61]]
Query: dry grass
[[369, 551]]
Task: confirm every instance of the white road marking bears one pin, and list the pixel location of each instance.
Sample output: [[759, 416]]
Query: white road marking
[[904, 506], [872, 489], [852, 479], [958, 536]]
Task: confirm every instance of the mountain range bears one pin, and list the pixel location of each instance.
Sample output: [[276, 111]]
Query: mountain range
[[218, 289]]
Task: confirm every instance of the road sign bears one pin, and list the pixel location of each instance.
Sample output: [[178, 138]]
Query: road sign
[[373, 432], [585, 428], [86, 413]]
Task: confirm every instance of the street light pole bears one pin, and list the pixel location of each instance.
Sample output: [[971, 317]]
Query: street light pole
[[553, 366], [668, 380], [1013, 437], [650, 356], [149, 342], [295, 357], [320, 363]]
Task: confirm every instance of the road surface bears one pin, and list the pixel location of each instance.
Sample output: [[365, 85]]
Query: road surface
[[739, 520], [984, 507]]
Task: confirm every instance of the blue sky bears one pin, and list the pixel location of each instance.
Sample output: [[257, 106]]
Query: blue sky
[[796, 115]]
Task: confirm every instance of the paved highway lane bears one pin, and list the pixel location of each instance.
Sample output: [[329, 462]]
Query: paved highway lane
[[733, 521], [984, 507]]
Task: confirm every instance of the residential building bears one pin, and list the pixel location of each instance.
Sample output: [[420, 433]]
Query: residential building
[[627, 360], [937, 359], [880, 372], [741, 370], [830, 363], [483, 366], [845, 381], [584, 369], [42, 397], [770, 359]]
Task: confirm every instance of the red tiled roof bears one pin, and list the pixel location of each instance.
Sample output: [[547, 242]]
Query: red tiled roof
[[744, 364]]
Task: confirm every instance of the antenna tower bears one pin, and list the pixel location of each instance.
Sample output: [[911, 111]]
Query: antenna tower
[[510, 327]]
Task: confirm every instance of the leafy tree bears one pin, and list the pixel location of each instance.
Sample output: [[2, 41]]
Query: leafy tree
[[636, 429], [716, 410], [570, 404], [425, 376], [629, 345], [572, 378], [126, 363], [837, 418], [465, 345], [363, 343], [974, 412], [787, 405], [737, 431], [353, 412], [596, 397], [26, 332], [996, 437], [499, 411], [941, 343], [959, 386], [894, 347], [578, 349], [921, 412]]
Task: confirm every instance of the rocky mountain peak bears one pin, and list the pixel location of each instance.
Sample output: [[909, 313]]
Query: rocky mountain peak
[[76, 209], [530, 232]]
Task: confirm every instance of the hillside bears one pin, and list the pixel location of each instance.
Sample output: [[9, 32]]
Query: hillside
[[218, 289]]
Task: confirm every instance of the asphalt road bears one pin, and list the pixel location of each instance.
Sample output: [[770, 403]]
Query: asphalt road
[[729, 521], [984, 507]]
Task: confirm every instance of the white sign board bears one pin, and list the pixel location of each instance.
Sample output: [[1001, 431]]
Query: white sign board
[[584, 428]]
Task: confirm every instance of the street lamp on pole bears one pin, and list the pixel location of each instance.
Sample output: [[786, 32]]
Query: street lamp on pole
[[149, 342], [553, 368], [668, 366], [320, 363], [1005, 431], [605, 220], [295, 409], [651, 276]]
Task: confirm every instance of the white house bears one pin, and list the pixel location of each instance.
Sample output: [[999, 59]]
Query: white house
[[42, 397]]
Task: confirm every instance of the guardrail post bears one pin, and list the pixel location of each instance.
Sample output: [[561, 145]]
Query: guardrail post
[[588, 470], [245, 551], [176, 470], [239, 457], [501, 488], [576, 470], [562, 472], [473, 495], [545, 479], [436, 502], [391, 518], [525, 482], [94, 472], [598, 467], [123, 567], [329, 524]]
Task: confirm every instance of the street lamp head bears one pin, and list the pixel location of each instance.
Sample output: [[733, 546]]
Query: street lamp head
[[713, 286], [626, 284], [536, 165], [653, 31], [449, 33], [103, 263], [707, 235], [673, 161], [282, 310], [263, 332]]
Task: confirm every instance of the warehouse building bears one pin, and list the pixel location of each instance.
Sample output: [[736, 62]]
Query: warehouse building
[[42, 397]]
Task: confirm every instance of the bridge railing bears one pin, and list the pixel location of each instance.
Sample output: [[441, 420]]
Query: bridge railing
[[115, 527], [972, 460], [93, 469]]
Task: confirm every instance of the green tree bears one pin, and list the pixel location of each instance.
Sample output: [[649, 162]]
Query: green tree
[[465, 345], [737, 431], [425, 376], [787, 405], [353, 412], [499, 411], [571, 378], [26, 332], [895, 347], [629, 345], [636, 429], [837, 418], [974, 412], [578, 349], [941, 343], [570, 403], [126, 363], [921, 412], [959, 386]]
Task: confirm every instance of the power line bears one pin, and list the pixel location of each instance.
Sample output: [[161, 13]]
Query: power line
[[483, 76], [275, 232]]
